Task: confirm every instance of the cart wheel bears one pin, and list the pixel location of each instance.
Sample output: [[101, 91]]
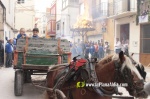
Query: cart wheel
[[18, 84]]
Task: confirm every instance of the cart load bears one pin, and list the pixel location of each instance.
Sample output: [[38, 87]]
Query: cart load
[[33, 56]]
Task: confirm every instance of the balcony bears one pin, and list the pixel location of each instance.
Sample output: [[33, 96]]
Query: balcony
[[122, 8], [143, 11], [100, 11], [73, 2]]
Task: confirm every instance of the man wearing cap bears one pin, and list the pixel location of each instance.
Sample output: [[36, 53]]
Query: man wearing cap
[[35, 33]]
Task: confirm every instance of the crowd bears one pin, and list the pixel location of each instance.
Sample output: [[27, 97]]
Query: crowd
[[97, 49], [94, 49], [11, 45]]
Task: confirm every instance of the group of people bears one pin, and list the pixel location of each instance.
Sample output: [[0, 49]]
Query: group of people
[[85, 50], [98, 49], [90, 49], [11, 43], [121, 46]]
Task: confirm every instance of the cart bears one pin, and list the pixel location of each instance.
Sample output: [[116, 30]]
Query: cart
[[34, 56]]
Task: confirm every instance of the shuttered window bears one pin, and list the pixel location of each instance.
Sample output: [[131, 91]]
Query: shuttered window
[[145, 38]]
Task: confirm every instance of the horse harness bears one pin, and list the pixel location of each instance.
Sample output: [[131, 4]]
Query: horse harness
[[127, 76], [88, 73]]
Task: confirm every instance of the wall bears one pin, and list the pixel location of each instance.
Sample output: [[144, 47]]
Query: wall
[[134, 34], [25, 19], [9, 5], [8, 25], [69, 17], [109, 34], [25, 16], [58, 9], [1, 23]]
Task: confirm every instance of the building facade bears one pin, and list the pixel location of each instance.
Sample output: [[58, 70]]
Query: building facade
[[67, 13], [96, 11], [7, 19], [51, 21], [104, 26], [127, 27], [143, 21], [25, 16]]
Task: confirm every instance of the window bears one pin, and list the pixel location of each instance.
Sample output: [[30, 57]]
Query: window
[[20, 1], [99, 9], [58, 26], [145, 39], [64, 3], [104, 7], [82, 9], [53, 26], [73, 2]]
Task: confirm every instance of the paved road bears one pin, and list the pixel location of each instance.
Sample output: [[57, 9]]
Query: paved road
[[30, 92], [7, 87]]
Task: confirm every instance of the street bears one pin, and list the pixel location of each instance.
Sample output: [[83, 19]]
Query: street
[[7, 87], [30, 92]]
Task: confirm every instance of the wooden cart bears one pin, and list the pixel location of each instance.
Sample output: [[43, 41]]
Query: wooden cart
[[35, 56]]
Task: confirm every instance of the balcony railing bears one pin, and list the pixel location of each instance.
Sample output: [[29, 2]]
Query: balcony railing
[[100, 10], [121, 6], [73, 2]]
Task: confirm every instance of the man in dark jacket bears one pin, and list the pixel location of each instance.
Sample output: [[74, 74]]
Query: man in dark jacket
[[9, 52]]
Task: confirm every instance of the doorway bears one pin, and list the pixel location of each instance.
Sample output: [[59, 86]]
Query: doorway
[[124, 32]]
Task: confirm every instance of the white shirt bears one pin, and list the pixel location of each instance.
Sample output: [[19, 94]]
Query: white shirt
[[118, 45]]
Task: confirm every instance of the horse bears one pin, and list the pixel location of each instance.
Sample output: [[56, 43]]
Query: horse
[[116, 68], [138, 65]]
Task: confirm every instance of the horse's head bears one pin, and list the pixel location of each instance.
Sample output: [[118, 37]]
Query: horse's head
[[127, 73]]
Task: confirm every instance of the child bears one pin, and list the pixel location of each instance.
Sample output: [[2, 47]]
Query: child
[[35, 33]]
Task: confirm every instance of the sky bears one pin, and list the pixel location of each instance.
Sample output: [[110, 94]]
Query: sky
[[41, 5]]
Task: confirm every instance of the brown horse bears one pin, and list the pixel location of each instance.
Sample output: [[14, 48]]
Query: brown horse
[[106, 73]]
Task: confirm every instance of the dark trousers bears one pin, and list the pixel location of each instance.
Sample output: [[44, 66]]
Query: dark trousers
[[101, 55], [8, 59]]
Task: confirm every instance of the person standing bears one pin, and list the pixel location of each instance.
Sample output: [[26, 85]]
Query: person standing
[[125, 47], [96, 50], [92, 50], [117, 46], [106, 48], [21, 34], [100, 51], [87, 47], [9, 52]]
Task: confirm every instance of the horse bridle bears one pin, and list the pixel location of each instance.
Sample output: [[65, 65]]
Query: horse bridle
[[127, 77]]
